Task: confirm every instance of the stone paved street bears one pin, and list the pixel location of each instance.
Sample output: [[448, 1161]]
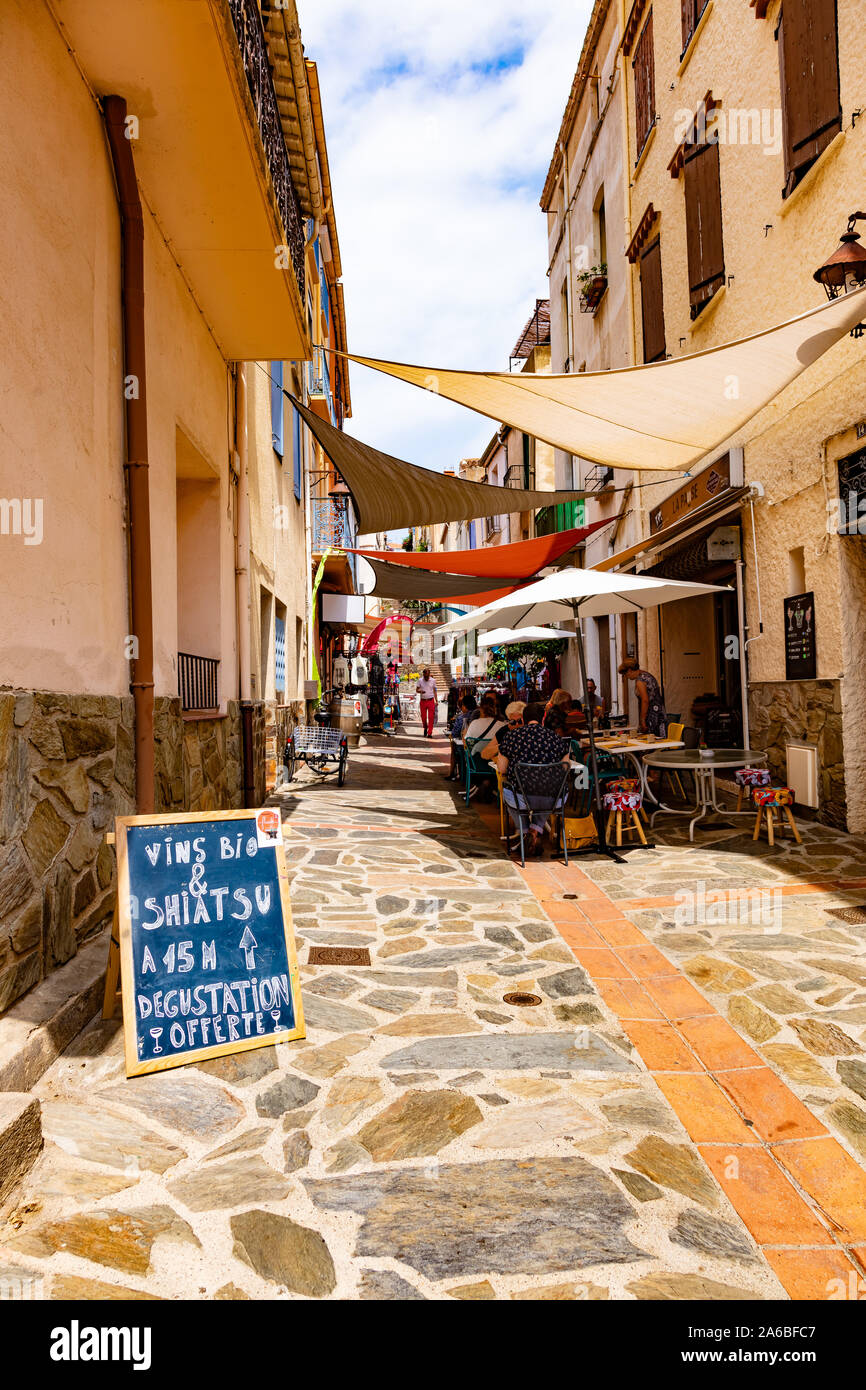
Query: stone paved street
[[681, 1115]]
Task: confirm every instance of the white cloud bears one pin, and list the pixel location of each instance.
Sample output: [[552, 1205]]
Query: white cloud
[[441, 120]]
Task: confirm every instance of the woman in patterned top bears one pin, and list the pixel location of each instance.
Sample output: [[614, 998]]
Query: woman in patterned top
[[653, 717], [531, 743]]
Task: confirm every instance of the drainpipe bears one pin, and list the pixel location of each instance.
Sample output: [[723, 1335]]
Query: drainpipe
[[567, 215], [242, 587], [138, 472]]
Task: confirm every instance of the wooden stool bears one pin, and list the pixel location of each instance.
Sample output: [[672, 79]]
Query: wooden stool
[[629, 785], [747, 779], [773, 800], [619, 804]]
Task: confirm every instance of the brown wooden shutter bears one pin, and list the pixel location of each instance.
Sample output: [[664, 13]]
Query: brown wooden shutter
[[652, 302], [703, 192], [687, 13], [809, 73], [644, 84]]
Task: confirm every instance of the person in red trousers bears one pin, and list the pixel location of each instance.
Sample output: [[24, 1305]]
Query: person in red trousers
[[426, 688]]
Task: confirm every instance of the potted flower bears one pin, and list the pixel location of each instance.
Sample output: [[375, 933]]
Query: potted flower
[[591, 286]]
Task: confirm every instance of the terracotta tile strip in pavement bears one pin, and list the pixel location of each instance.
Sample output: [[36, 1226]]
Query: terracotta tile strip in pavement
[[802, 1196]]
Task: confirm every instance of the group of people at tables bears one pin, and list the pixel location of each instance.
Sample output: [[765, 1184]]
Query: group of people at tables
[[505, 734]]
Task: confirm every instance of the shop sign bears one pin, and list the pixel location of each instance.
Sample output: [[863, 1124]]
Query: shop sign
[[801, 663], [206, 949], [708, 484], [724, 543]]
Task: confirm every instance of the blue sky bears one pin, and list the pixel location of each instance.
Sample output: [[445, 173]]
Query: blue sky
[[441, 121]]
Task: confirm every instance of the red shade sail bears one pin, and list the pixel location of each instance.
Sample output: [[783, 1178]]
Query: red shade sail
[[521, 560]]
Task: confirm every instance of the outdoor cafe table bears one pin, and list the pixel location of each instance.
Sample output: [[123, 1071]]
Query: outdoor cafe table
[[704, 770], [635, 750]]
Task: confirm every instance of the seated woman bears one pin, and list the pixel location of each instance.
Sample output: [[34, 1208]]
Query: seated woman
[[531, 743], [466, 712], [485, 724], [492, 751]]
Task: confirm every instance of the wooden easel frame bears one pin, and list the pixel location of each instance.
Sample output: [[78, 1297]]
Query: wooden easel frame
[[120, 965]]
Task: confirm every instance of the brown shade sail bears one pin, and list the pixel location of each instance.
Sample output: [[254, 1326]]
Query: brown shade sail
[[402, 582], [389, 493]]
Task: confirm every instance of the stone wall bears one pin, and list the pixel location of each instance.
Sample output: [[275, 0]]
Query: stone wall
[[67, 768], [279, 722], [781, 711]]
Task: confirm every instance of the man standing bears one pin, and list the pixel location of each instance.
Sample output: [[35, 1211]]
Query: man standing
[[426, 688]]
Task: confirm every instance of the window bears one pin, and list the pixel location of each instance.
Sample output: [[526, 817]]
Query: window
[[691, 11], [600, 229], [297, 455], [652, 302], [703, 223], [643, 66], [809, 75], [276, 369], [280, 653]]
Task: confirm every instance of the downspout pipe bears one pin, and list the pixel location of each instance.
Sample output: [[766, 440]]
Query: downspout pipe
[[137, 465]]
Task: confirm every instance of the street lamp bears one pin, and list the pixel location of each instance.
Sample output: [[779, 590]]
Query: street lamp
[[845, 270]]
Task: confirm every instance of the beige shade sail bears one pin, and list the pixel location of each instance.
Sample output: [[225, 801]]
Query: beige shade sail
[[665, 415], [389, 493]]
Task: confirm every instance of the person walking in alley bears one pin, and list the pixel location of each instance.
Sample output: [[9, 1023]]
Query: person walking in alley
[[653, 717], [426, 688]]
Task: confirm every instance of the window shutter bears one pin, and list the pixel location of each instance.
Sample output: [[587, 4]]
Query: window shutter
[[644, 84], [687, 14], [296, 452], [703, 193], [277, 407], [652, 302], [809, 73]]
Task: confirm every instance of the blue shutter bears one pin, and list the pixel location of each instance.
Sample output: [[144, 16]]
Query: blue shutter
[[279, 654], [277, 407], [472, 535], [296, 452]]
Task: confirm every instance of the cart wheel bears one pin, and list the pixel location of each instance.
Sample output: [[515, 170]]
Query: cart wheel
[[341, 770]]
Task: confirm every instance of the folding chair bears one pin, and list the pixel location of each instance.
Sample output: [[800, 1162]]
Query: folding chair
[[474, 765], [539, 787]]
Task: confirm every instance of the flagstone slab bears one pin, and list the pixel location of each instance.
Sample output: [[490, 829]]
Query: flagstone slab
[[72, 1288], [563, 1293], [413, 979], [186, 1102], [244, 1179], [698, 1230], [639, 1112], [296, 1151], [429, 1025], [333, 986], [512, 1052], [328, 1060], [285, 1095], [418, 1124], [250, 1139], [502, 1216], [120, 1239], [854, 1075], [482, 1292], [688, 1287], [565, 984], [535, 1124], [825, 1039], [746, 1015], [348, 1097], [118, 1141], [242, 1068], [798, 1065], [385, 1284], [61, 1175], [335, 1017], [675, 1166], [284, 1252], [639, 1186]]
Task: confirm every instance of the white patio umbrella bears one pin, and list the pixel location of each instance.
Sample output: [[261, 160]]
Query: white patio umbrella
[[579, 593], [506, 636]]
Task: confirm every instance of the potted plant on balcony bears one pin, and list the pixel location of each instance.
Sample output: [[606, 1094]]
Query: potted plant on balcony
[[591, 285]]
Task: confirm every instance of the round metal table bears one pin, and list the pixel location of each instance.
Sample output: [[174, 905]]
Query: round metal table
[[704, 770]]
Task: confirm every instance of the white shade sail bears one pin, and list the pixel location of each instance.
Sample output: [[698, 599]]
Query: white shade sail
[[594, 593], [507, 636], [665, 415]]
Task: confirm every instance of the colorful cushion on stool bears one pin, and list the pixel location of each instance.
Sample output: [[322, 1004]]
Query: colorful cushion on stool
[[752, 777], [622, 801], [624, 784], [772, 796]]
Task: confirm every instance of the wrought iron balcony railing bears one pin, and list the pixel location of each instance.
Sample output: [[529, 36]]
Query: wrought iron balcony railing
[[331, 524], [197, 681], [247, 22]]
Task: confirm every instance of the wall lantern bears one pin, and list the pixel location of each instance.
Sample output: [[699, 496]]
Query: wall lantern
[[846, 269]]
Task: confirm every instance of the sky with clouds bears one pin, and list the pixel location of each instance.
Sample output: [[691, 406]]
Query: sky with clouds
[[441, 120]]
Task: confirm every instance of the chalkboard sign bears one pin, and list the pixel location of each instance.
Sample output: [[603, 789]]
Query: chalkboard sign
[[801, 661], [207, 952]]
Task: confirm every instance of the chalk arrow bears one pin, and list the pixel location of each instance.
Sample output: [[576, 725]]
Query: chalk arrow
[[248, 945]]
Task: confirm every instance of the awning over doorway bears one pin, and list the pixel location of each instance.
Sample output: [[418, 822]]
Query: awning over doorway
[[710, 511], [389, 493], [522, 558], [663, 416]]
